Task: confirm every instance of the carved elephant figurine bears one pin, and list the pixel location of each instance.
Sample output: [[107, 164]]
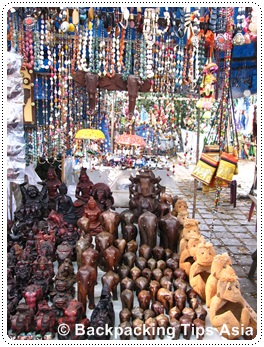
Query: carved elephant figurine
[[157, 307], [141, 263], [81, 245], [129, 259], [86, 279], [103, 240], [129, 232], [152, 264], [169, 236], [166, 283], [123, 271], [158, 253], [147, 273], [135, 273], [163, 322], [112, 256], [132, 246], [145, 251], [109, 221], [90, 257], [148, 224], [127, 283], [126, 328], [180, 298], [176, 328], [128, 228], [138, 328], [112, 279], [165, 297], [125, 315], [120, 244], [141, 283], [152, 324], [154, 286], [127, 299], [144, 299], [127, 218]]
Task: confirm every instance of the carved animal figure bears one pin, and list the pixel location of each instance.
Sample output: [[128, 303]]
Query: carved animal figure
[[148, 223], [103, 316], [221, 262], [169, 235], [228, 309], [110, 220], [190, 230], [201, 268], [86, 279]]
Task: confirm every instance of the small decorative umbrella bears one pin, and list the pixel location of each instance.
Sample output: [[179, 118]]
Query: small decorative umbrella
[[90, 134], [130, 139]]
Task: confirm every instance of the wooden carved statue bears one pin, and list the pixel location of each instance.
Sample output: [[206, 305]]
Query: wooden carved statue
[[93, 212], [82, 192]]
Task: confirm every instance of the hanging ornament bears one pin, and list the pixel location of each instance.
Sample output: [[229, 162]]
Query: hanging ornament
[[64, 26], [239, 39]]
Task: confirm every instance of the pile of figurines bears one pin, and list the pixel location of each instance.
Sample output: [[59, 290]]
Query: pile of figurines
[[151, 256]]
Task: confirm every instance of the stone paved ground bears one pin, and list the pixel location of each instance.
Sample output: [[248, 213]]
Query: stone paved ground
[[232, 233]]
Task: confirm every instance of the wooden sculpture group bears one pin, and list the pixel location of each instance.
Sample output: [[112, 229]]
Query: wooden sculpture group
[[173, 271], [212, 276]]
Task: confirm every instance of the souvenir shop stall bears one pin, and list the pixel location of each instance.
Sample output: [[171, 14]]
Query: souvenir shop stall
[[99, 99]]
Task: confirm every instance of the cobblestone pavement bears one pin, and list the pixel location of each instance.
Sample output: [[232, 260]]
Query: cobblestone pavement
[[232, 232]]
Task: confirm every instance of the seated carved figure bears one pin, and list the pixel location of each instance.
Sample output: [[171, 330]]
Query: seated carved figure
[[64, 205], [221, 262], [201, 268], [93, 212], [33, 203], [82, 192], [228, 312], [190, 230], [103, 196]]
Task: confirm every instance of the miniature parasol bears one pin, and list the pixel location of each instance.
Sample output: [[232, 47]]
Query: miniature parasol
[[90, 134], [130, 139]]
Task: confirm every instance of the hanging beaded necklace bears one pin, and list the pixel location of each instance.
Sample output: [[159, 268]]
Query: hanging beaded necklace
[[179, 65], [128, 55], [120, 63], [239, 39]]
